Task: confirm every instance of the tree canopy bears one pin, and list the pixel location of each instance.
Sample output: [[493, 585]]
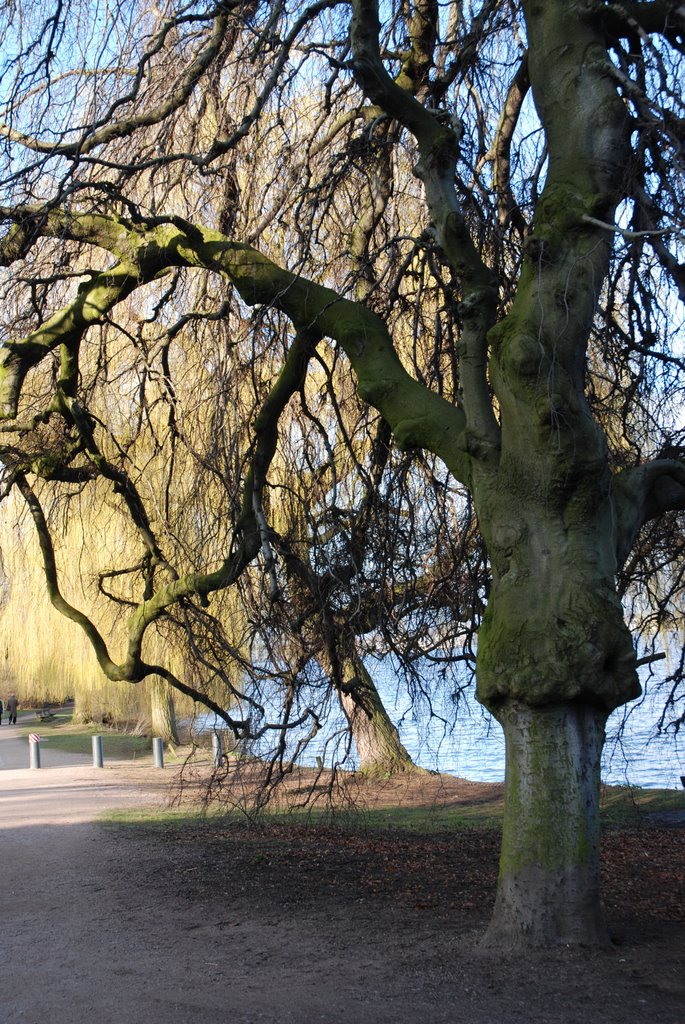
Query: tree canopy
[[364, 323]]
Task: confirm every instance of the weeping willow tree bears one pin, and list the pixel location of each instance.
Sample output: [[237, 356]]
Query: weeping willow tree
[[190, 446], [41, 660], [467, 214], [48, 660]]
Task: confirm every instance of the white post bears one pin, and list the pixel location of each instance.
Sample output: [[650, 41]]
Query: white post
[[34, 750], [158, 751], [97, 752]]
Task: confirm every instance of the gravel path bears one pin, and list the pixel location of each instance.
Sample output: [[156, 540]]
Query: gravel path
[[63, 943], [14, 751], [117, 927]]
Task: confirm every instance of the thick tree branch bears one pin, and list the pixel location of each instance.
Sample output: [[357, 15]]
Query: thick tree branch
[[644, 493], [423, 31], [418, 417], [128, 671], [540, 346], [656, 17], [247, 536], [438, 143], [500, 155]]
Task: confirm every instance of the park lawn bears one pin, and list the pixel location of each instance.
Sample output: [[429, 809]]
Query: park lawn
[[621, 807], [398, 819], [624, 805], [60, 733]]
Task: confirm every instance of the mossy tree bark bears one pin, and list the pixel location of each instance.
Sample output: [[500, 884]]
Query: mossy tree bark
[[554, 658], [548, 888], [554, 654]]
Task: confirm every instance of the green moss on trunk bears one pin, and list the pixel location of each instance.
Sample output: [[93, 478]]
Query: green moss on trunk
[[548, 888]]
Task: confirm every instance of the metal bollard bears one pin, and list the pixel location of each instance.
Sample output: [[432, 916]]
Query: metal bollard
[[158, 751], [217, 751], [34, 750], [97, 751]]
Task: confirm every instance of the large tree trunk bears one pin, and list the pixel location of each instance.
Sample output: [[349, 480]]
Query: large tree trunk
[[381, 752], [83, 711], [163, 712], [548, 890], [555, 657]]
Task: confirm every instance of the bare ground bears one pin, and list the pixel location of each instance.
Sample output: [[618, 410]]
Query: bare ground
[[290, 923]]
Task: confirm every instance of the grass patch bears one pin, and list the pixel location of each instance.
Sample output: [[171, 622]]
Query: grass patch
[[621, 807], [436, 819], [161, 818], [61, 733], [419, 820], [627, 806]]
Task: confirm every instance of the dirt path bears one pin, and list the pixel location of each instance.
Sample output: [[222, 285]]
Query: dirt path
[[119, 927]]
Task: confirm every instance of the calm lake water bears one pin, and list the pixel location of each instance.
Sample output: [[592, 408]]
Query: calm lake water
[[474, 749], [468, 743]]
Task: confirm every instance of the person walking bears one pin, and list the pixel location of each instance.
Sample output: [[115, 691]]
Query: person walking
[[2, 708], [12, 709]]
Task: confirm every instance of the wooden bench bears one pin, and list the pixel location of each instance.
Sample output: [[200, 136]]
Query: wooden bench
[[44, 714]]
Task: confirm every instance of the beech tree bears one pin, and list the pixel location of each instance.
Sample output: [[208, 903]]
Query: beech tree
[[468, 210]]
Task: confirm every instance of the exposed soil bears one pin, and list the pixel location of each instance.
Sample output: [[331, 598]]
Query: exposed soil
[[305, 924]]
